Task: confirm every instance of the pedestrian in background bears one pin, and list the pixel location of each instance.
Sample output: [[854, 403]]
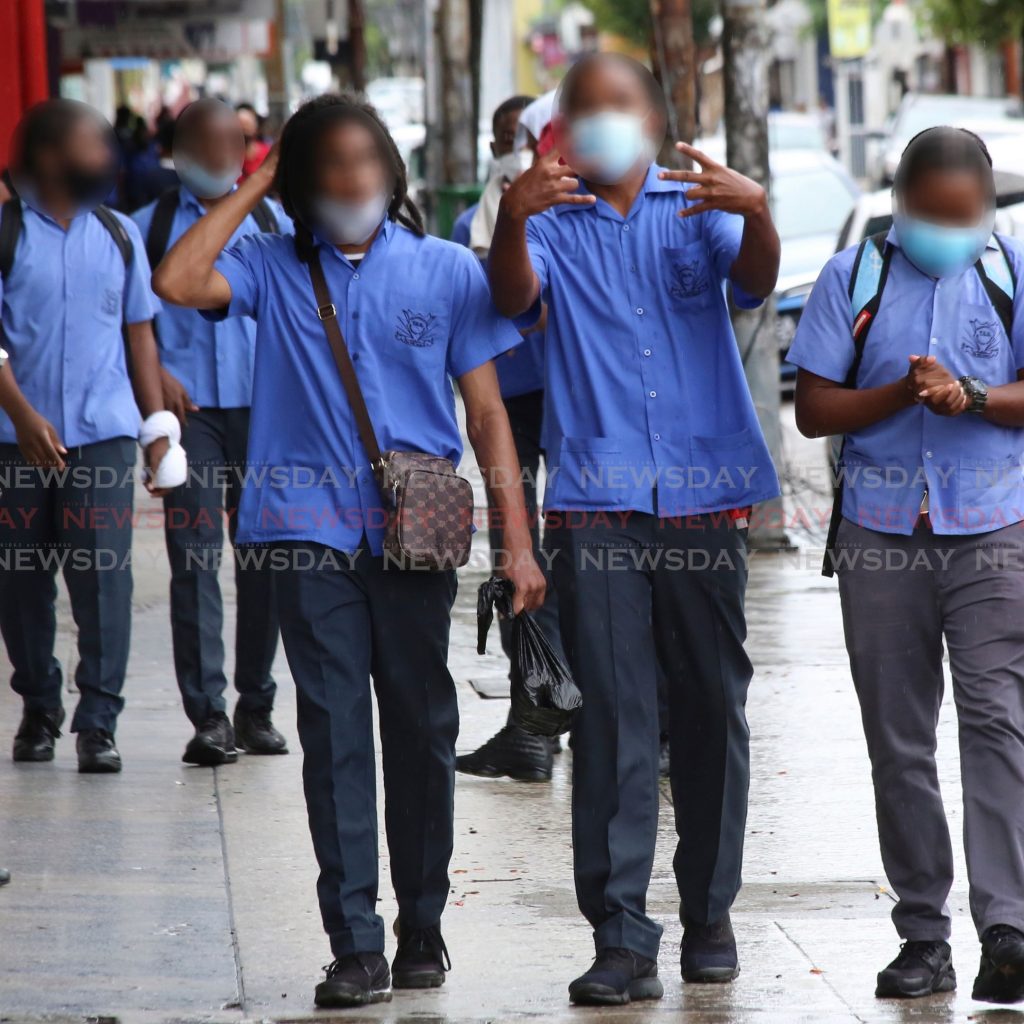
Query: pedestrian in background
[[72, 274], [256, 146], [207, 383], [654, 458], [912, 346], [414, 313]]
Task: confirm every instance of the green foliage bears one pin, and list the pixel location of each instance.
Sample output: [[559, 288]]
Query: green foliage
[[988, 22], [631, 19]]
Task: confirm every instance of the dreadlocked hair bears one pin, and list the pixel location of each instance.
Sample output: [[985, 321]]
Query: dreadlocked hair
[[294, 181]]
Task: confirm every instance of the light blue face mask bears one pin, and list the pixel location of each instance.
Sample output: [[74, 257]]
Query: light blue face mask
[[607, 145], [938, 250], [203, 183], [349, 223]]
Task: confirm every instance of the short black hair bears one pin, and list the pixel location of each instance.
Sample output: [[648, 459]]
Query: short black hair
[[944, 148], [575, 74], [512, 105], [295, 171], [46, 126]]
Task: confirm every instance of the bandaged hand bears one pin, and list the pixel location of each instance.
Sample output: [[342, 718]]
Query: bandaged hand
[[172, 469]]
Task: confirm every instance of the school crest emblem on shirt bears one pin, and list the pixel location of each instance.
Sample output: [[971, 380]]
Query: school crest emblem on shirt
[[688, 280], [416, 329], [111, 301], [981, 338]]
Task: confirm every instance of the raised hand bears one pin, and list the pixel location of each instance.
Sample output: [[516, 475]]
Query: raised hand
[[547, 183], [717, 187], [934, 387]]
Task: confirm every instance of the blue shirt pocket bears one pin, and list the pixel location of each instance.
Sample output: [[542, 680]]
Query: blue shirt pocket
[[689, 277], [725, 468], [989, 493], [593, 473], [982, 346], [417, 328]]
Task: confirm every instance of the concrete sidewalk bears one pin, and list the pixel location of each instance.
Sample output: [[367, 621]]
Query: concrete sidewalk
[[172, 893]]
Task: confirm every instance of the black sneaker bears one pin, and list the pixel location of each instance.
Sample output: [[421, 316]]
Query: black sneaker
[[708, 952], [255, 733], [922, 967], [615, 977], [511, 752], [36, 737], [356, 980], [213, 743], [5, 876], [97, 754], [422, 959], [1001, 973]]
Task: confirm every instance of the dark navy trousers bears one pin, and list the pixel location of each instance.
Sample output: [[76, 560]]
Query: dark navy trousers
[[77, 521], [344, 621], [215, 440], [636, 592]]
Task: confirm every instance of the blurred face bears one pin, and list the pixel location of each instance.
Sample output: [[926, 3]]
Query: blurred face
[[350, 167], [249, 124], [950, 198], [81, 168], [505, 136], [606, 85], [211, 138]]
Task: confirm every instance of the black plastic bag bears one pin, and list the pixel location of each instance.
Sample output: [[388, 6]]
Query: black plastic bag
[[545, 700]]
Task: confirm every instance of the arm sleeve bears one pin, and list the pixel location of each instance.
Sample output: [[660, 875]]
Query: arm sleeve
[[1015, 254], [478, 331], [824, 338], [723, 233], [537, 247], [240, 265], [140, 304]]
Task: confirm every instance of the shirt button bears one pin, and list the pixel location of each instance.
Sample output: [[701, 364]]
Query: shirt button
[[632, 267], [625, 227], [654, 394], [647, 351], [657, 437], [927, 455], [355, 276], [639, 310]]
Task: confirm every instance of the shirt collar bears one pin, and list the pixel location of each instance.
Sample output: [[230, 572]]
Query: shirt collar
[[652, 183], [383, 237], [189, 200]]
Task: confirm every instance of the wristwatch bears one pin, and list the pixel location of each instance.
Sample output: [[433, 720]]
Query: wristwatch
[[976, 391]]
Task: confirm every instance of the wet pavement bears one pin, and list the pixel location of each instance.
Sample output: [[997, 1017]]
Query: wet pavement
[[173, 893]]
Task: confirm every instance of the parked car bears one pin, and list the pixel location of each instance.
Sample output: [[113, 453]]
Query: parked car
[[991, 118], [786, 130], [812, 196]]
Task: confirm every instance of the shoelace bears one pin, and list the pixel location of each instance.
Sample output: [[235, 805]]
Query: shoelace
[[335, 967], [429, 939], [917, 951]]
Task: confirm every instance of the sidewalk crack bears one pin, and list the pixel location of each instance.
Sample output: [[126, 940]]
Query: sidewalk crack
[[236, 951]]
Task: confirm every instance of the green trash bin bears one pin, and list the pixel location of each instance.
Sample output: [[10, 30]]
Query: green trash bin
[[451, 201]]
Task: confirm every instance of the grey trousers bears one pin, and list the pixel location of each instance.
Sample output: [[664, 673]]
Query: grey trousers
[[902, 597]]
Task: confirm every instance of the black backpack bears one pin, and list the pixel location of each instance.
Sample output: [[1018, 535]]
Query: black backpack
[[163, 219]]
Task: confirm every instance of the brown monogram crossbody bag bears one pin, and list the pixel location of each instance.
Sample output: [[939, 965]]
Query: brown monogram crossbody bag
[[429, 506]]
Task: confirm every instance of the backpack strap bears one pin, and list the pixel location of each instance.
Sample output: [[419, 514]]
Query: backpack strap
[[11, 217], [867, 282], [263, 214], [118, 232], [999, 281], [159, 233]]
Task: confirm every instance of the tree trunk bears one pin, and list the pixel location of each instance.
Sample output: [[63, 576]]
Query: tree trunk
[[746, 55], [357, 44], [674, 58], [458, 125]]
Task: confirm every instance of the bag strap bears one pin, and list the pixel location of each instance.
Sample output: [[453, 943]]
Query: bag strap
[[999, 281], [159, 234], [328, 314], [265, 219], [10, 230], [117, 231]]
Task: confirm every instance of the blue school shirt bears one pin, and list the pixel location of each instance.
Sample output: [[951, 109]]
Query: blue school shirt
[[646, 404], [62, 307], [212, 360], [970, 468], [415, 313]]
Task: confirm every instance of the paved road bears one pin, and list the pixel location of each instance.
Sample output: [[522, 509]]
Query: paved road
[[178, 893]]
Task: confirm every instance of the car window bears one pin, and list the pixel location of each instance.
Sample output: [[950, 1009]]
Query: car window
[[795, 136], [810, 203]]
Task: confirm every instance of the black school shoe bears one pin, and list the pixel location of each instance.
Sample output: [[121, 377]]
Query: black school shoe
[[512, 752], [97, 754], [255, 733], [617, 976], [422, 959], [213, 743], [921, 969], [355, 980], [1001, 973], [708, 952], [36, 738]]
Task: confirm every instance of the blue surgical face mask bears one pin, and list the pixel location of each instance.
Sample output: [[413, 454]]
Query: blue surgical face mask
[[349, 223], [203, 183], [607, 145], [938, 250]]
